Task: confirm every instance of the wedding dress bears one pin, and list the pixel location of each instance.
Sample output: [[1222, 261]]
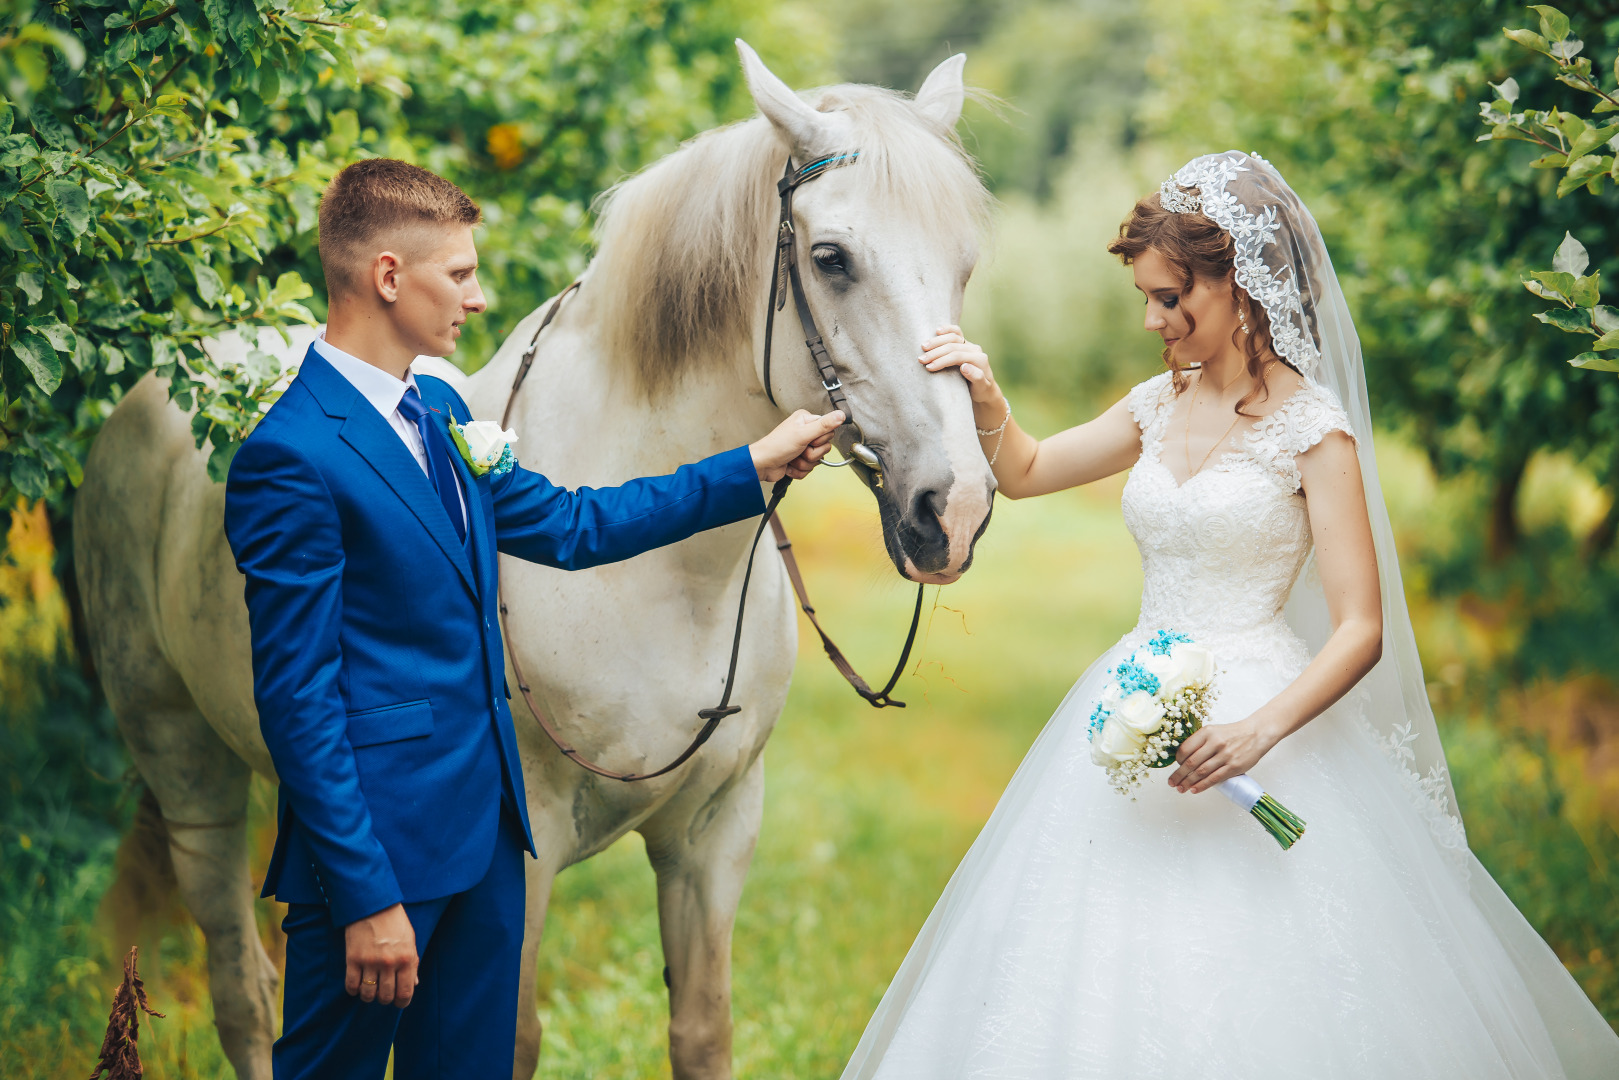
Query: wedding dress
[[1087, 934]]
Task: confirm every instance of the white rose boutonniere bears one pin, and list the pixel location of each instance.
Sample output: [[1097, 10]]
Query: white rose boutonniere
[[484, 446]]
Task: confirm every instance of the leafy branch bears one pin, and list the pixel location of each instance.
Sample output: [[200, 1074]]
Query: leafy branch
[[1586, 150]]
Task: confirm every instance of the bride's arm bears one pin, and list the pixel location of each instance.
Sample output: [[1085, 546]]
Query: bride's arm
[[1024, 465], [1347, 561]]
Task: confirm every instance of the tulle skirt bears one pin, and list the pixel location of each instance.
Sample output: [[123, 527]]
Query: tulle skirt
[[1089, 935]]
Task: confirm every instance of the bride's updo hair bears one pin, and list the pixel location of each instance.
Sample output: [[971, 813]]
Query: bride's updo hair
[[1196, 248]]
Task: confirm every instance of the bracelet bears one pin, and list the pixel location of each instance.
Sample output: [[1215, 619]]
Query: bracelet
[[999, 430], [999, 433]]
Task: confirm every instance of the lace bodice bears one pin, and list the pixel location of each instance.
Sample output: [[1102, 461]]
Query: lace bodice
[[1220, 553]]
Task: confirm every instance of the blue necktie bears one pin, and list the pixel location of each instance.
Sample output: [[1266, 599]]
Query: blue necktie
[[439, 468]]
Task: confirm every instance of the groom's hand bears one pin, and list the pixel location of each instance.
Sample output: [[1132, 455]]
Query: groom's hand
[[381, 952], [796, 446]]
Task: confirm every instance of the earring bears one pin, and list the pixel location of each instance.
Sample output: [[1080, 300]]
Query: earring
[[1242, 320]]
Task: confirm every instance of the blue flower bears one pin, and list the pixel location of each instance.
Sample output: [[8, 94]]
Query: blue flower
[[1099, 717], [1132, 677], [1164, 640]]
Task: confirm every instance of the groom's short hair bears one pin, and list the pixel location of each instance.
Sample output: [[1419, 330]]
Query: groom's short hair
[[377, 196]]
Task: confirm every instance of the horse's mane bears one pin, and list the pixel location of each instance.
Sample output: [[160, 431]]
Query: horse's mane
[[685, 245]]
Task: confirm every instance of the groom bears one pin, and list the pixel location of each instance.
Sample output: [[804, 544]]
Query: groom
[[369, 546]]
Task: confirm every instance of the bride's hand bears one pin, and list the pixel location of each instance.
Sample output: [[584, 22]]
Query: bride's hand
[[949, 348], [1220, 751]]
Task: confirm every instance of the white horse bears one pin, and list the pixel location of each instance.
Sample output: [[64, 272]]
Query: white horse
[[655, 361]]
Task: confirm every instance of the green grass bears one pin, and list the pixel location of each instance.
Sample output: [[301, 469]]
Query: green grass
[[866, 815]]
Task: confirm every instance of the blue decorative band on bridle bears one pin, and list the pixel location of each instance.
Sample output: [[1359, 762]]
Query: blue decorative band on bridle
[[814, 169]]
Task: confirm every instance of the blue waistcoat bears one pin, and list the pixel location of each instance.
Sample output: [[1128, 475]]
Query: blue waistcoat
[[378, 668]]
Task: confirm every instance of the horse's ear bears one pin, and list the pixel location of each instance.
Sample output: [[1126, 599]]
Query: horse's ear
[[793, 118], [943, 93]]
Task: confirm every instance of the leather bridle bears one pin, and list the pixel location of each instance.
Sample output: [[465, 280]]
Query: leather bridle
[[786, 275]]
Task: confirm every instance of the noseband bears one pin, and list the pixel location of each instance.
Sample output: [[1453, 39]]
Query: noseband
[[785, 275]]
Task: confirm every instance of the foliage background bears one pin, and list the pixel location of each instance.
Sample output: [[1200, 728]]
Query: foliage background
[[1501, 464]]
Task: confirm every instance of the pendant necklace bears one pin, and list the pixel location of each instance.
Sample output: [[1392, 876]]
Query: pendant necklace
[[1187, 439]]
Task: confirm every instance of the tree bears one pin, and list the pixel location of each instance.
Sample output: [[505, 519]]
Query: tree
[[142, 195], [161, 165]]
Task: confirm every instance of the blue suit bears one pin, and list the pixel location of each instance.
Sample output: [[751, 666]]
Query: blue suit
[[377, 657]]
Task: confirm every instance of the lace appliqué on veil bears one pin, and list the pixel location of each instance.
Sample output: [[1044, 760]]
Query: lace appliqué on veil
[[1273, 287], [1430, 794]]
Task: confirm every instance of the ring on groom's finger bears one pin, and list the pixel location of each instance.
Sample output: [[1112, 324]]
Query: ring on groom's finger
[[368, 982]]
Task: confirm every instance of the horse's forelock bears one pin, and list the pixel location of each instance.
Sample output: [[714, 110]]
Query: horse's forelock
[[684, 245]]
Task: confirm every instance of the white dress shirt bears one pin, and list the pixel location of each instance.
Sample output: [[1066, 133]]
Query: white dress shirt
[[384, 392]]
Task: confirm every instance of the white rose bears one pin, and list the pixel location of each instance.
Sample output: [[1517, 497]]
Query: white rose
[[486, 441], [1141, 713], [1165, 669], [1195, 664], [1115, 742]]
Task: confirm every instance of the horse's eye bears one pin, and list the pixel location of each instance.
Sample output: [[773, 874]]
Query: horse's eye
[[829, 259]]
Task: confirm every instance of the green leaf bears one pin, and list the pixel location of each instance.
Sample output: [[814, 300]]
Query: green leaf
[[58, 333], [71, 203], [1606, 318], [16, 149], [112, 358], [288, 287], [159, 280], [1581, 172], [1591, 361], [1506, 90], [1607, 341], [1549, 161], [219, 461], [1529, 40], [28, 476], [1553, 23], [106, 238], [31, 286], [1569, 320], [1562, 285], [209, 287], [1571, 256], [37, 355], [1591, 138], [1587, 290]]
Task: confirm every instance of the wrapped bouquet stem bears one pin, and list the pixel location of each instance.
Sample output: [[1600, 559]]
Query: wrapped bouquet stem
[[1155, 701]]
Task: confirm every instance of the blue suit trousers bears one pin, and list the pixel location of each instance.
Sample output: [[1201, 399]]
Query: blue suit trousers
[[462, 1021]]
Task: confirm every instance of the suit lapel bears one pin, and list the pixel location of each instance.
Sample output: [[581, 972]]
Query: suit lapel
[[479, 527], [372, 438]]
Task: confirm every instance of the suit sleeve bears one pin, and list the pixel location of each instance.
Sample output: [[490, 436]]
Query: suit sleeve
[[541, 522], [285, 532]]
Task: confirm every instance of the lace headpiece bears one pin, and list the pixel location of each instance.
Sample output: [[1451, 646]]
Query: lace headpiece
[[1247, 197]]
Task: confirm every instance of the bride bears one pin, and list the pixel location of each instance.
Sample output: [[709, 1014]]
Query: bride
[[1089, 935]]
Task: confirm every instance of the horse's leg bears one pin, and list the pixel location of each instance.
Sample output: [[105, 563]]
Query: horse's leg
[[542, 873], [202, 788], [702, 861]]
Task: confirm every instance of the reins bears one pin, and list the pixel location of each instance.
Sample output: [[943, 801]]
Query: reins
[[786, 273]]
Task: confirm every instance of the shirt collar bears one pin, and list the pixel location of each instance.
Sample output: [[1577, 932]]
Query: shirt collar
[[378, 387]]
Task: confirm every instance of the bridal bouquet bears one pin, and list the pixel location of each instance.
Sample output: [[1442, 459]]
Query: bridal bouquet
[[1155, 701]]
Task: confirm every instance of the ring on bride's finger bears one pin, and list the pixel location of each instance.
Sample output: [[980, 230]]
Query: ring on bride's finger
[[368, 982]]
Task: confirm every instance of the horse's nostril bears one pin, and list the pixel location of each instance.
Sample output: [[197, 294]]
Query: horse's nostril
[[928, 504]]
